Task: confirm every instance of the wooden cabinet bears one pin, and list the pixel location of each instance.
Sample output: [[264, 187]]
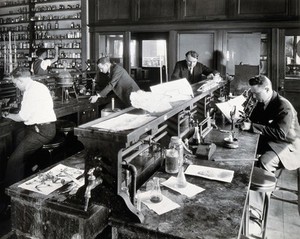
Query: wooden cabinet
[[153, 11], [5, 144], [109, 10], [156, 10], [203, 9], [90, 113], [271, 9], [57, 215]]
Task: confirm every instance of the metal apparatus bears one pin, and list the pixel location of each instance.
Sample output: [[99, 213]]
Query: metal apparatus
[[65, 81], [10, 54], [248, 105], [117, 163]]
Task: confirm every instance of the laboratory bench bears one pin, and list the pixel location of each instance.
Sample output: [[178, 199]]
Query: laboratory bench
[[219, 211]]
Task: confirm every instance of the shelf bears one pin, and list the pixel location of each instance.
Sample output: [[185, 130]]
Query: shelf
[[53, 1], [59, 10], [57, 39], [58, 29], [13, 5], [58, 19], [13, 23], [14, 14]]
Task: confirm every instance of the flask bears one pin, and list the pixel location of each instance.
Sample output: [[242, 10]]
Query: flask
[[156, 195], [196, 135], [176, 143], [181, 181]]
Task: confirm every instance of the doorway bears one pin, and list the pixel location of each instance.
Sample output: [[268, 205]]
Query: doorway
[[148, 58]]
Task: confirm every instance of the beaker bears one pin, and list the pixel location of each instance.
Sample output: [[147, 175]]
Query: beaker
[[156, 195]]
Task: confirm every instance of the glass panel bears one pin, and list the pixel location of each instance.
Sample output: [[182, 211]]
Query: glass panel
[[133, 53], [111, 45], [243, 48], [292, 55], [153, 53], [203, 43]]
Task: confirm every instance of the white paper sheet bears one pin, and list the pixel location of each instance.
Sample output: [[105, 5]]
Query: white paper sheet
[[228, 106], [149, 101], [162, 207], [124, 122], [176, 90], [190, 190], [47, 182], [218, 174]]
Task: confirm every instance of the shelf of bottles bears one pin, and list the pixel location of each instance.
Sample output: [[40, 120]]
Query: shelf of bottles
[[14, 34], [54, 28], [42, 23]]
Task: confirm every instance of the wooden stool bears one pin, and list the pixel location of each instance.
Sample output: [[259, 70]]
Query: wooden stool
[[294, 197], [264, 182]]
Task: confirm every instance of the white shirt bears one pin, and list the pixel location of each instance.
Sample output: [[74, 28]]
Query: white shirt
[[37, 105], [44, 65]]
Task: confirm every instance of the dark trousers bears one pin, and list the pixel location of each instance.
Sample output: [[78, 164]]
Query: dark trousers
[[28, 140]]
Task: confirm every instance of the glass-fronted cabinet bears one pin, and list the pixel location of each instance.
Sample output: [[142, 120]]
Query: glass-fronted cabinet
[[292, 56], [290, 66]]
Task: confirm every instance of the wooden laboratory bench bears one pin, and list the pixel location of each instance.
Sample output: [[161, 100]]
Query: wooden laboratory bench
[[220, 211], [217, 212], [57, 215]]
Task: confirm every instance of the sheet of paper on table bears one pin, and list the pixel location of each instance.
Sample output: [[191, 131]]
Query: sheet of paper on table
[[218, 174], [124, 122], [162, 207], [190, 190], [162, 96], [176, 90], [53, 179], [229, 105]]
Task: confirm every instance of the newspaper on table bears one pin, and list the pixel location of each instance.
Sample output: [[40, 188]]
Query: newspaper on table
[[53, 179]]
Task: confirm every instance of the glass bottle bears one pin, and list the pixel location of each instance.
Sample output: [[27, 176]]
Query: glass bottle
[[48, 25], [171, 160], [196, 135], [56, 26], [156, 195], [176, 143]]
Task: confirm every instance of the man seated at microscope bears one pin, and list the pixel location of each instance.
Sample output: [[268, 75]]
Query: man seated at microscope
[[275, 119]]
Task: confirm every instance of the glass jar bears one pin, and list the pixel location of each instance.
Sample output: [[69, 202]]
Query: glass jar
[[171, 161], [176, 143]]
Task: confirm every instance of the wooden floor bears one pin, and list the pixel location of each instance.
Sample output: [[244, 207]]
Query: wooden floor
[[284, 219]]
